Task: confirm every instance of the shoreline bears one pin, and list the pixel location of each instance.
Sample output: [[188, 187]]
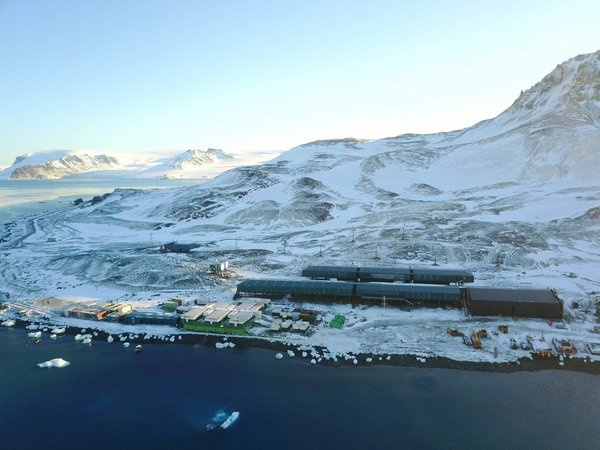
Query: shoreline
[[523, 364]]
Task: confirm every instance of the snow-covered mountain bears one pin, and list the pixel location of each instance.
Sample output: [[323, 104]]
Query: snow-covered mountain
[[57, 164], [516, 199], [192, 158], [191, 164], [194, 164]]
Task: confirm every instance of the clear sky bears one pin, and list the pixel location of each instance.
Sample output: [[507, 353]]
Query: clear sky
[[241, 75]]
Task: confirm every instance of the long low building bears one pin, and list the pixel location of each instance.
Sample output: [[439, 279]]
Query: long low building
[[150, 318], [542, 303], [388, 274], [343, 291], [480, 301]]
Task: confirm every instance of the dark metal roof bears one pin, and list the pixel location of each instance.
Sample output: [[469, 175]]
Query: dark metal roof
[[517, 295], [352, 270], [295, 287], [153, 314], [406, 288], [332, 268], [345, 288]]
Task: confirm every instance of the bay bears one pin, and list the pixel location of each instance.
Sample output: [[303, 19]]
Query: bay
[[112, 397]]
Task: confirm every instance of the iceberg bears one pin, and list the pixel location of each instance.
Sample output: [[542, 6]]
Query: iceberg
[[222, 420], [56, 362], [230, 420]]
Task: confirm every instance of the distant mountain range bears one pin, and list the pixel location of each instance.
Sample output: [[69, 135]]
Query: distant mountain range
[[191, 164]]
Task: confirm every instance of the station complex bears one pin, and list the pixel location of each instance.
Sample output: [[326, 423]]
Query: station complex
[[388, 286], [407, 287]]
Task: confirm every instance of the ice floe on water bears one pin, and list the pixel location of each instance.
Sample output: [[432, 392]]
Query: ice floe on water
[[56, 362], [224, 344], [222, 420]]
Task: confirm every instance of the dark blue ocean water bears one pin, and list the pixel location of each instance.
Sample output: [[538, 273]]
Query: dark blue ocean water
[[112, 398]]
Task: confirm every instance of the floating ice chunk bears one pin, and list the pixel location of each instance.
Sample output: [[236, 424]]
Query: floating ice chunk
[[220, 345], [59, 330], [35, 335], [125, 344], [354, 361], [86, 341], [231, 345], [110, 338], [304, 354], [79, 337], [53, 336], [313, 361], [279, 356], [369, 360], [291, 354], [8, 323], [230, 420], [56, 362], [172, 339]]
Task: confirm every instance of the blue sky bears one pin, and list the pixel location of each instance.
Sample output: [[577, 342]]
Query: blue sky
[[268, 75]]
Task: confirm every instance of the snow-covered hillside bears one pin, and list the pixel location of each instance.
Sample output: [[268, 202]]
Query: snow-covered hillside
[[515, 199]]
